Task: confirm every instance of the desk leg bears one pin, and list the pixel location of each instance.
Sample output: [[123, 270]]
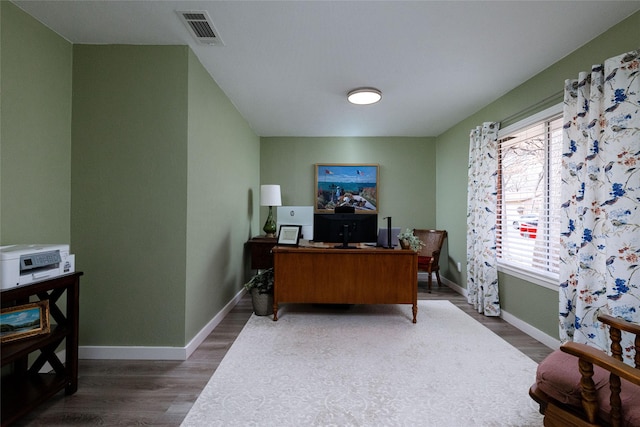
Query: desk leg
[[275, 310], [415, 311]]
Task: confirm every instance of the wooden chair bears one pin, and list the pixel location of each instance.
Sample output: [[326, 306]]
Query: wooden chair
[[429, 254], [579, 385]]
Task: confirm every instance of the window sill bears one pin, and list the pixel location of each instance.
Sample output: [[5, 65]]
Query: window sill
[[535, 278]]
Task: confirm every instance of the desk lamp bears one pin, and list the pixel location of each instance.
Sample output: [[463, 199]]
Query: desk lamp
[[270, 196]]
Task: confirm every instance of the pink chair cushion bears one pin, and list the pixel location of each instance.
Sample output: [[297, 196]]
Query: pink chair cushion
[[558, 377], [424, 261]]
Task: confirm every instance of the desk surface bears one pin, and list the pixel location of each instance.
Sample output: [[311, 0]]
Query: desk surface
[[314, 246]]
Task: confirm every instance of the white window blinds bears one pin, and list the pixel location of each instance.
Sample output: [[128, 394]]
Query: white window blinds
[[527, 228]]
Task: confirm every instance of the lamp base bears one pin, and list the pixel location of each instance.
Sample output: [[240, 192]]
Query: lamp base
[[270, 225]]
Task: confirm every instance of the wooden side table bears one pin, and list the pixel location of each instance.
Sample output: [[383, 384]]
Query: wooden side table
[[261, 256], [26, 387]]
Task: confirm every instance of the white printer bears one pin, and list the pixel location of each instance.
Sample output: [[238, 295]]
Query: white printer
[[25, 264]]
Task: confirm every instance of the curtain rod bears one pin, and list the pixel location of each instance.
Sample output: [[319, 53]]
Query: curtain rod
[[556, 96]]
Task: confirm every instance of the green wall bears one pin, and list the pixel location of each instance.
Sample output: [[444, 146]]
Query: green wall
[[224, 169], [157, 192], [407, 172], [129, 187], [134, 156], [35, 131], [535, 305]]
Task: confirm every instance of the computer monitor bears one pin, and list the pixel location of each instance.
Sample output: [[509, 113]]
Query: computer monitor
[[345, 228], [296, 215]]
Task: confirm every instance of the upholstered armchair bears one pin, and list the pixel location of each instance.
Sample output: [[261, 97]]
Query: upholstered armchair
[[579, 385]]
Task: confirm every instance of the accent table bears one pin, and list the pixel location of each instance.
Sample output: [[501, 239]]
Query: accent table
[[261, 256], [25, 387]]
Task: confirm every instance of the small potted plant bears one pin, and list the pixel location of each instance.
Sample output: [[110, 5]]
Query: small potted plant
[[261, 288], [409, 241]]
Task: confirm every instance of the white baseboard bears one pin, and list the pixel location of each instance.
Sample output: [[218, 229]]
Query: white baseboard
[[534, 333], [459, 289], [423, 276], [159, 353], [204, 333], [132, 353]]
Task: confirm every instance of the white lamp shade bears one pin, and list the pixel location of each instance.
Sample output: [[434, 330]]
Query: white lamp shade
[[270, 195]]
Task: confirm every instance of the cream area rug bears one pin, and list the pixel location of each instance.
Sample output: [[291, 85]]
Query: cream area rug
[[368, 365]]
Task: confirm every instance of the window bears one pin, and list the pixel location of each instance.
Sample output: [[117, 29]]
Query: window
[[528, 220]]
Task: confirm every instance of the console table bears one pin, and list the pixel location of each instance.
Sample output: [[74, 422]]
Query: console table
[[24, 386], [366, 275], [261, 256]]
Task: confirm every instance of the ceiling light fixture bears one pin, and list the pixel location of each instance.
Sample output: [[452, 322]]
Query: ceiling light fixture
[[364, 96]]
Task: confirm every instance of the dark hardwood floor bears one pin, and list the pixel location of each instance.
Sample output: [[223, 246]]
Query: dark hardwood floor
[[160, 393]]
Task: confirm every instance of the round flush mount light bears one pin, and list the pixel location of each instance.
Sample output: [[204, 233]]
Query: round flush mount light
[[364, 96]]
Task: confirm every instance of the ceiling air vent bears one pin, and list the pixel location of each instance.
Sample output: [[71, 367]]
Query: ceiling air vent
[[200, 26]]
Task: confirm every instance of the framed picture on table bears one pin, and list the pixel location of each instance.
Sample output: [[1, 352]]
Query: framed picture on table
[[23, 321], [289, 235], [349, 185]]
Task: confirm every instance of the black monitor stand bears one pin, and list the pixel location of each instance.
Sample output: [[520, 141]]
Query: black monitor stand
[[345, 239], [389, 242]]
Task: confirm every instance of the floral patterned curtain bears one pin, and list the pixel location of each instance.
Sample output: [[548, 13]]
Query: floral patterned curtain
[[482, 271], [600, 226]]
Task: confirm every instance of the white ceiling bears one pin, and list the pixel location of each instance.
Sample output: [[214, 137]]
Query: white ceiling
[[288, 65]]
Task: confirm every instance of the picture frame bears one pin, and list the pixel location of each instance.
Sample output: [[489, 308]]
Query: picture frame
[[347, 184], [289, 235], [23, 321]]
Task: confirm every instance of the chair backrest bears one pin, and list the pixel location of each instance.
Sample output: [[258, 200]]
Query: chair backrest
[[616, 325], [433, 241]]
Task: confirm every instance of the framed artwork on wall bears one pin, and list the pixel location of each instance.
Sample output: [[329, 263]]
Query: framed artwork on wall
[[348, 185]]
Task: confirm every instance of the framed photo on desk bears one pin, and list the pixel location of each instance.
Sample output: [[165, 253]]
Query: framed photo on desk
[[289, 235]]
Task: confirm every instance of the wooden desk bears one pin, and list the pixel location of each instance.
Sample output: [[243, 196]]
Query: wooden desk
[[345, 276]]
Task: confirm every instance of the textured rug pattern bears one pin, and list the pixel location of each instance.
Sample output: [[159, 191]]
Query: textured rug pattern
[[369, 366]]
